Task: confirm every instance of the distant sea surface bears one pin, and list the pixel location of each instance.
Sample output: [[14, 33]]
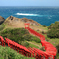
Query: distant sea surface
[[42, 15]]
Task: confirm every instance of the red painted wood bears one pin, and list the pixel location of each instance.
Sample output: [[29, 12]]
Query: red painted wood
[[50, 49]]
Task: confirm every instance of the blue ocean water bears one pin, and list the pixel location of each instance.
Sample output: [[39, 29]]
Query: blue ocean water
[[43, 15]]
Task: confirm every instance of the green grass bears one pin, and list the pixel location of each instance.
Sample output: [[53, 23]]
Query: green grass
[[54, 42], [44, 28], [32, 45], [36, 42], [57, 56], [2, 26], [41, 27], [18, 35], [27, 44], [7, 53]]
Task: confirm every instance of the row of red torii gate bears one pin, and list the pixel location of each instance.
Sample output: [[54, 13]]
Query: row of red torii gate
[[50, 52]]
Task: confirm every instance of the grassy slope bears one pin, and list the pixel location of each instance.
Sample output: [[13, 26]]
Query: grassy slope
[[7, 48], [55, 41], [7, 53]]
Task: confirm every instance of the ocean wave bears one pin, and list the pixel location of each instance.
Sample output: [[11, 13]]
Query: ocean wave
[[49, 18], [25, 14]]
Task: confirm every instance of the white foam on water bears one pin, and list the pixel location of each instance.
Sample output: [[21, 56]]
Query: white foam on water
[[49, 18], [25, 14]]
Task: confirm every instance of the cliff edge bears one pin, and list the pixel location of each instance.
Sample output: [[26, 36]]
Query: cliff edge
[[19, 23], [1, 20], [13, 21]]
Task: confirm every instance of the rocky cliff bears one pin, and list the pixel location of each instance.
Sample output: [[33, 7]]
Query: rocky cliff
[[32, 22], [14, 20], [1, 20]]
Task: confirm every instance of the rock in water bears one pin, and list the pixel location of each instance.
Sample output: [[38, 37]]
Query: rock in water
[[1, 20]]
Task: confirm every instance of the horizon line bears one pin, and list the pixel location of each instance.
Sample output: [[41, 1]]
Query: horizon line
[[32, 6]]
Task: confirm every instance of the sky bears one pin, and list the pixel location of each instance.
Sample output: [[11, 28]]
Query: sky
[[29, 2]]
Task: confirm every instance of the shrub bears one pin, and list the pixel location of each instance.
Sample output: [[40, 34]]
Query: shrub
[[49, 27], [32, 38], [57, 55], [26, 44], [36, 39], [18, 35], [2, 27], [44, 25], [57, 48], [7, 53], [53, 31], [42, 32], [14, 34], [27, 37]]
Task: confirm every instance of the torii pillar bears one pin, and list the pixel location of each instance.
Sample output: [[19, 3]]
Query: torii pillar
[[27, 25]]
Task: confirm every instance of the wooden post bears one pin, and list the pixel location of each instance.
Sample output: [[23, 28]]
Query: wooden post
[[4, 44]]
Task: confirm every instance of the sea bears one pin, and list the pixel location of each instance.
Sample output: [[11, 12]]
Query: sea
[[42, 15]]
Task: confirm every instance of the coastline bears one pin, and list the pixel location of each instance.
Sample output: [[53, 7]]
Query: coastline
[[44, 16]]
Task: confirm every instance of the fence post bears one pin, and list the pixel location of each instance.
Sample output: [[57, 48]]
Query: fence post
[[4, 44]]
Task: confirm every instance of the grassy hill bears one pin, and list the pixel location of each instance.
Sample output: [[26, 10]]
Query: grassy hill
[[20, 34], [7, 53]]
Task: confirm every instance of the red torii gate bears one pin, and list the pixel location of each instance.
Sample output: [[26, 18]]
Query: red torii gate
[[2, 41], [22, 49], [27, 25], [50, 49]]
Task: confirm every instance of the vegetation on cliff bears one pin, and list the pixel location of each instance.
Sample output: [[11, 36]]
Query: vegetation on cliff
[[53, 30], [53, 33], [7, 53], [2, 27], [15, 31], [1, 20], [19, 35]]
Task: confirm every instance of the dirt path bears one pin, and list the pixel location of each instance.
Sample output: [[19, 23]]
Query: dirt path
[[40, 28], [40, 46]]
